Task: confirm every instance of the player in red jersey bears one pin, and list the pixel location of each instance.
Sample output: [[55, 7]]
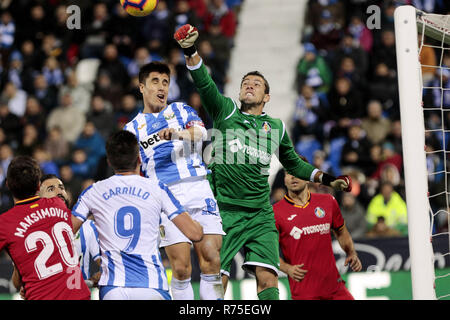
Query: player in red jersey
[[37, 234], [304, 221]]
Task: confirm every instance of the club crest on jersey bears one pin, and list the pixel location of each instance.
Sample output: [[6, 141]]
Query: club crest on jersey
[[319, 212], [266, 127]]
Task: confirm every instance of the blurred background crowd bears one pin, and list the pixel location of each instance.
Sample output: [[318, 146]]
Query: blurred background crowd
[[64, 91]]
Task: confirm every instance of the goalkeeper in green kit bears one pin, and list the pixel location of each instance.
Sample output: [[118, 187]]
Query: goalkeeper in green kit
[[244, 140]]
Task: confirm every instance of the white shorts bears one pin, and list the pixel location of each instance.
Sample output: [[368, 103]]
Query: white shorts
[[196, 197], [124, 293]]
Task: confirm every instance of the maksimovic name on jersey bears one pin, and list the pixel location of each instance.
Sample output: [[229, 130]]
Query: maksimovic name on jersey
[[38, 215]]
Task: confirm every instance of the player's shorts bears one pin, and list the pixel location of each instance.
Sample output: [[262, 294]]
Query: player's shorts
[[341, 293], [124, 293], [251, 229], [196, 197]]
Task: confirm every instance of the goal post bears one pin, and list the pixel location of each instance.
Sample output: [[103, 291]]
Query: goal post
[[414, 157]]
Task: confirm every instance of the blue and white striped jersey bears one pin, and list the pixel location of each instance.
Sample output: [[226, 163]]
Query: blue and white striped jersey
[[86, 244], [127, 210], [168, 160]]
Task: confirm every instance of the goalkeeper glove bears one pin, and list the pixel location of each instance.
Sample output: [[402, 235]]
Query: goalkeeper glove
[[186, 36], [341, 183]]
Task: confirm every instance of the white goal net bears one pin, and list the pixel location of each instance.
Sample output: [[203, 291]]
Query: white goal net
[[423, 62]]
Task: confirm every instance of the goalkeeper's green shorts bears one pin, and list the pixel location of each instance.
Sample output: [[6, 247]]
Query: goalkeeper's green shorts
[[251, 229]]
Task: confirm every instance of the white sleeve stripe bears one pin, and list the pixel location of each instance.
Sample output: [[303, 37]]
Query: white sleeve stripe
[[234, 110], [197, 66], [284, 129]]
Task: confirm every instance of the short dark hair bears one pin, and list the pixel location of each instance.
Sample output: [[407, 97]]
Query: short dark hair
[[23, 177], [154, 66], [48, 176], [122, 151], [259, 74]]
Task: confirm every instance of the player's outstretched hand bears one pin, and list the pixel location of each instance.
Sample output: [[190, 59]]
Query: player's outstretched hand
[[342, 183], [186, 35], [296, 272], [354, 262]]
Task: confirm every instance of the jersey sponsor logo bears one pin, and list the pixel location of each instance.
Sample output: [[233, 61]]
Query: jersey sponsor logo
[[141, 126], [151, 141], [292, 217], [319, 212], [169, 116], [297, 233]]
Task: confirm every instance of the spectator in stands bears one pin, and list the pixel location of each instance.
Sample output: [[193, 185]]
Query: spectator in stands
[[313, 70], [17, 99], [45, 161], [219, 11], [124, 31], [30, 140], [47, 95], [427, 57], [356, 151], [129, 109], [96, 32], [376, 126], [110, 91], [56, 145], [20, 77], [81, 165], [182, 14], [92, 143], [346, 104], [68, 117], [389, 205], [215, 64], [34, 114], [141, 57], [11, 125], [327, 34], [381, 230], [360, 33], [309, 115], [6, 155], [7, 35], [111, 64], [350, 48], [354, 215], [441, 80], [347, 69], [383, 87], [52, 72], [316, 7], [385, 52], [101, 116], [320, 162], [156, 28], [72, 183], [388, 156], [80, 93], [219, 42], [395, 136]]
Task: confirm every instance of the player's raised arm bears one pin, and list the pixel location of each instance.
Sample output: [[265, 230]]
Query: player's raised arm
[[217, 105], [299, 168]]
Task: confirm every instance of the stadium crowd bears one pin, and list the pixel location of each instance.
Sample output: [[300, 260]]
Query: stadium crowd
[[64, 91], [347, 115]]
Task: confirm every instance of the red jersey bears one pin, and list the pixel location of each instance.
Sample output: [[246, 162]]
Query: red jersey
[[305, 238], [37, 233]]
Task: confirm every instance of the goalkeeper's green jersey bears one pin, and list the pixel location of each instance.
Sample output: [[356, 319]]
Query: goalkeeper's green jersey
[[243, 145]]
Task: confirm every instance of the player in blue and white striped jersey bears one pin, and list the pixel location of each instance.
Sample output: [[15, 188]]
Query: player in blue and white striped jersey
[[170, 144], [87, 246], [127, 209]]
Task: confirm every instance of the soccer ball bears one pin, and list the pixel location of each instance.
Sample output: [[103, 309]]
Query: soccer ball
[[139, 8]]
